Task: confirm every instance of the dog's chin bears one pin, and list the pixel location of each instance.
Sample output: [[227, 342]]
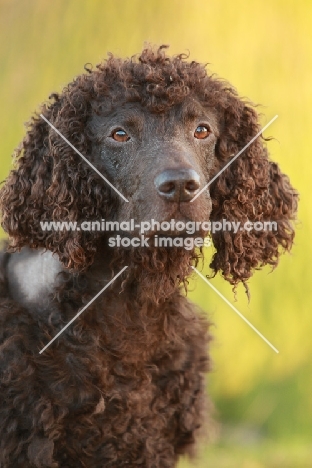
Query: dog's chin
[[154, 263], [175, 234], [152, 234], [181, 215]]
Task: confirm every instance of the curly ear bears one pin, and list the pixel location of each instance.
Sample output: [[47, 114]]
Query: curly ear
[[251, 189], [52, 183]]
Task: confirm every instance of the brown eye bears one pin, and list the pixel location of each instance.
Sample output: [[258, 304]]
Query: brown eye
[[201, 132], [120, 135]]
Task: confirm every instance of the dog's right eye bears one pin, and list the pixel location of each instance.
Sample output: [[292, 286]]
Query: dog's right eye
[[120, 135], [202, 132]]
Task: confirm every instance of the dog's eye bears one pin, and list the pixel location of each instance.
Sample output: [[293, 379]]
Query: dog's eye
[[201, 132], [120, 135]]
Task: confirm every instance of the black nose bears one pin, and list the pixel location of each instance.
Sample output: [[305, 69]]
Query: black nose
[[178, 185]]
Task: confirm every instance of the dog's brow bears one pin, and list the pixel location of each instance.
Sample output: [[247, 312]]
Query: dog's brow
[[194, 111], [133, 120], [129, 120], [191, 111]]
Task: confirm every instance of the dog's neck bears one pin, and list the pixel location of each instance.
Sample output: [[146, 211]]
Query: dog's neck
[[137, 306], [151, 276]]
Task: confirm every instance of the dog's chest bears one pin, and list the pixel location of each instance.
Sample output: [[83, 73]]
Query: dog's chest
[[130, 407]]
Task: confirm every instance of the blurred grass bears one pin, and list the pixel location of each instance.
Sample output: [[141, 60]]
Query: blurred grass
[[264, 49], [266, 454]]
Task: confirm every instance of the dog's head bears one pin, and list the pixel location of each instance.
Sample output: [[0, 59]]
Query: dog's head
[[158, 129]]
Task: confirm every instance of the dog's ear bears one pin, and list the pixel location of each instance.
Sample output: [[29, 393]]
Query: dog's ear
[[52, 183], [253, 190]]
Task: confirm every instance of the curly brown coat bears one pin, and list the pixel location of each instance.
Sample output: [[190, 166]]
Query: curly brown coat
[[124, 384]]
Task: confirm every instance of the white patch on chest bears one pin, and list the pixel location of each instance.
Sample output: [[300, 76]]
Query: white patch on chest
[[32, 276]]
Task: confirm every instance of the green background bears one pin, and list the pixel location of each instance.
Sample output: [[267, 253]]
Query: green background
[[263, 400]]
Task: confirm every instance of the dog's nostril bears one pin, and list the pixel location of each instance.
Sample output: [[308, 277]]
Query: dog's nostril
[[177, 184], [192, 185], [167, 187]]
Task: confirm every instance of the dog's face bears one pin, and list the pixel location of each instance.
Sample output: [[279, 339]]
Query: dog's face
[[158, 128], [158, 161]]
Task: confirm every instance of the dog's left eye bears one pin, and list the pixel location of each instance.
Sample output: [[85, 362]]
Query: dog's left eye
[[201, 132], [120, 135]]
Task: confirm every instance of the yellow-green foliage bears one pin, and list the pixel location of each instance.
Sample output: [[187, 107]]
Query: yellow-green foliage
[[264, 48]]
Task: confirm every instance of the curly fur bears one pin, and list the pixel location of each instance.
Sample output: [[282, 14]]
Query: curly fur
[[124, 385]]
